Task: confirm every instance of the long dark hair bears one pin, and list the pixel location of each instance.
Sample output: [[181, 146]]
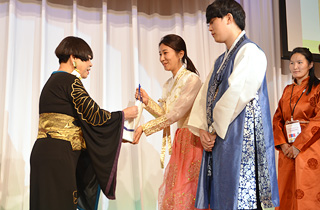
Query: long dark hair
[[313, 80], [177, 44]]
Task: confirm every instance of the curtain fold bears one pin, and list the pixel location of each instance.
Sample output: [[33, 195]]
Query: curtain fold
[[124, 36]]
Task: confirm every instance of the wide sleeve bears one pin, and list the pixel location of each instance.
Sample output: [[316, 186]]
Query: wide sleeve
[[279, 125], [244, 82], [198, 114], [311, 132], [102, 132], [182, 105]]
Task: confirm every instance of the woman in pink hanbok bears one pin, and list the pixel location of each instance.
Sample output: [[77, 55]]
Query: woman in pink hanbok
[[179, 187]]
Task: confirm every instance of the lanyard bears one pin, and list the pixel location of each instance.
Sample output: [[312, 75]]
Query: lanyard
[[292, 110]]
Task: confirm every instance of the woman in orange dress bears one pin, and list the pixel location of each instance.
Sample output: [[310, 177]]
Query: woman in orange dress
[[299, 154], [179, 187]]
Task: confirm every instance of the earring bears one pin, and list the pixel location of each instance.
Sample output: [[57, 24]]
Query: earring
[[75, 66]]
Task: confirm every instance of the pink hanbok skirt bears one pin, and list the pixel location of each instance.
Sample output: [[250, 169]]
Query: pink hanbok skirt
[[179, 188]]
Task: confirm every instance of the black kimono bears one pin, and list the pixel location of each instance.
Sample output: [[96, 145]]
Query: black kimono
[[77, 149]]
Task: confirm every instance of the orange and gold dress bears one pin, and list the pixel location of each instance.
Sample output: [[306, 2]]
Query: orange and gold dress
[[179, 187], [299, 178]]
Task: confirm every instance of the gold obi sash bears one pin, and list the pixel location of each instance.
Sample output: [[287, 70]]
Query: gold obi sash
[[60, 126]]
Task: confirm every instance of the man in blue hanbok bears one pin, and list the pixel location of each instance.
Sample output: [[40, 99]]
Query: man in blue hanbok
[[232, 117]]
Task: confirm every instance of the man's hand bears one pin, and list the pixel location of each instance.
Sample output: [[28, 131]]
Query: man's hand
[[207, 140]]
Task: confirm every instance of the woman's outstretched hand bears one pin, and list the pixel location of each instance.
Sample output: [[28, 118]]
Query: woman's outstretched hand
[[137, 134], [144, 96]]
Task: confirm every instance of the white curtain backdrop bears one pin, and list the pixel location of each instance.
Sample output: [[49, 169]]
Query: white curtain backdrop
[[124, 36]]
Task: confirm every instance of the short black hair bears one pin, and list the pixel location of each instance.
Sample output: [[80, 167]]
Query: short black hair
[[73, 46], [220, 8]]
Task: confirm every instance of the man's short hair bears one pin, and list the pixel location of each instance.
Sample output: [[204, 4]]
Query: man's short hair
[[220, 8]]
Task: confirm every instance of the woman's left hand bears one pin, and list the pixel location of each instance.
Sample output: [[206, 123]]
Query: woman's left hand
[[292, 152], [295, 151], [137, 134]]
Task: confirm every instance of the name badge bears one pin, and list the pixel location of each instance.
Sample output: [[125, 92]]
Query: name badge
[[293, 129]]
